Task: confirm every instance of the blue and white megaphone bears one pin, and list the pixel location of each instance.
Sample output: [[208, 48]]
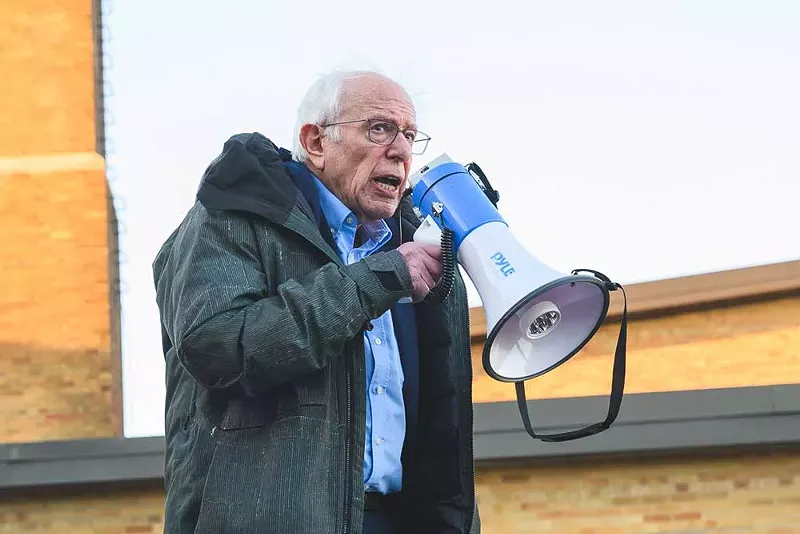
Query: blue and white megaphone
[[536, 317]]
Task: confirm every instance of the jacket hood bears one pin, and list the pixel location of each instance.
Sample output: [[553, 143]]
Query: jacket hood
[[249, 175]]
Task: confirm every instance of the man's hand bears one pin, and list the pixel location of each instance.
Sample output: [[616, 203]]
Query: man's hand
[[424, 262]]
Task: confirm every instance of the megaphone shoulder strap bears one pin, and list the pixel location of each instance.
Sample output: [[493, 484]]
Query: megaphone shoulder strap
[[617, 388]]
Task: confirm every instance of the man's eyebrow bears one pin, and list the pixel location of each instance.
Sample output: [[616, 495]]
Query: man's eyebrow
[[412, 126]]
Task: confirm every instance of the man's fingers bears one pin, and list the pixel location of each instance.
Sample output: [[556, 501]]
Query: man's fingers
[[424, 263], [428, 280], [421, 290], [432, 265], [434, 251]]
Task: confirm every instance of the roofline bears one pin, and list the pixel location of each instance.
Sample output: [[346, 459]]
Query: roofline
[[671, 423]]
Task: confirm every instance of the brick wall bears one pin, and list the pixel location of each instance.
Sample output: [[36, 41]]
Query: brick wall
[[56, 371], [133, 510], [58, 379], [47, 97], [757, 493]]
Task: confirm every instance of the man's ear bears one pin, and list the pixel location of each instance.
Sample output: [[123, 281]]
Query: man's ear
[[311, 139]]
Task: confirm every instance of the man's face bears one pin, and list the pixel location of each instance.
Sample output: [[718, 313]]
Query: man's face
[[367, 177]]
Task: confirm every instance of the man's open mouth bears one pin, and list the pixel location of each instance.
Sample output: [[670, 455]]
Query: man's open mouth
[[388, 183]]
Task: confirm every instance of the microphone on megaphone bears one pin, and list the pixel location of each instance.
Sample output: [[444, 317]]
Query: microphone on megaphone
[[536, 317]]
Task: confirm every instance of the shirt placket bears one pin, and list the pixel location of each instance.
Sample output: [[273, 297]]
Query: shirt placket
[[378, 382]]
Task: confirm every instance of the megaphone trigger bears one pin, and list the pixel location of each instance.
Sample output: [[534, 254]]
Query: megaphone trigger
[[428, 232]]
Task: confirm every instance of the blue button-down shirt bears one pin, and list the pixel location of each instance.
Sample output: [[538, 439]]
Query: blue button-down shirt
[[386, 418]]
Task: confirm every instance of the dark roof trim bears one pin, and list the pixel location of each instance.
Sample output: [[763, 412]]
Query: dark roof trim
[[78, 462], [673, 423]]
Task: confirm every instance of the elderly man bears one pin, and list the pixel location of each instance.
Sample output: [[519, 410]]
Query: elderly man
[[305, 392]]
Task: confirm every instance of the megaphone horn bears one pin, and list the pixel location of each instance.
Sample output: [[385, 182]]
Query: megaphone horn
[[537, 318]]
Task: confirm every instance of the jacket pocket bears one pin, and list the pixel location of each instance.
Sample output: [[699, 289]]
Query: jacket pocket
[[252, 413], [244, 413], [282, 478]]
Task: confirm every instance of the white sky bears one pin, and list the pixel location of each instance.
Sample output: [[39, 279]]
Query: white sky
[[644, 139]]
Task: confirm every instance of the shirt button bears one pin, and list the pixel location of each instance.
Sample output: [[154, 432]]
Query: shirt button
[[349, 220], [378, 341], [379, 390], [378, 441]]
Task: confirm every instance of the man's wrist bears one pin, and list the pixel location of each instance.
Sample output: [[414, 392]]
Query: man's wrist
[[382, 280]]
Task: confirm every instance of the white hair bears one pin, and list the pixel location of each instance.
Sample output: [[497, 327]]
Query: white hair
[[322, 103]]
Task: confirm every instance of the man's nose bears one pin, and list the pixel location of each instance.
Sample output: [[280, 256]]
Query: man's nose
[[400, 148]]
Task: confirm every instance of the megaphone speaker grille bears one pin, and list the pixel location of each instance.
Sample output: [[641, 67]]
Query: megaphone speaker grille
[[545, 328]]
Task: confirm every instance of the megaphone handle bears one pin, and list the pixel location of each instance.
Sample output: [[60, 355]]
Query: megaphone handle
[[617, 388]]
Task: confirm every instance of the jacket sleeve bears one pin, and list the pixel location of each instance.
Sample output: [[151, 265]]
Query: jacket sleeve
[[230, 333]]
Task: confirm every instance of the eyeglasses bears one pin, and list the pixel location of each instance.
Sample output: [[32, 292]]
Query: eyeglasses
[[382, 132]]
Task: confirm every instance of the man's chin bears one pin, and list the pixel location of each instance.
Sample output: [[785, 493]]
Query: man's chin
[[383, 211]]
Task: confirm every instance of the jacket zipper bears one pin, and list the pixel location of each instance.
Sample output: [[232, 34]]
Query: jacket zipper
[[471, 411], [348, 496], [348, 490]]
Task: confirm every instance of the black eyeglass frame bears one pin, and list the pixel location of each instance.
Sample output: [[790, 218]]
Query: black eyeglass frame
[[426, 138]]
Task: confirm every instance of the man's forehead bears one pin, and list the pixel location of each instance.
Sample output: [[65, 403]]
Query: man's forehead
[[380, 99]]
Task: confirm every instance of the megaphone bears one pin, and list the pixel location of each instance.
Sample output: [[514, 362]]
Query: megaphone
[[537, 318]]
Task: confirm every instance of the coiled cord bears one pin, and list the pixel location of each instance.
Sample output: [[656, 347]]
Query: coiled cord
[[442, 290]]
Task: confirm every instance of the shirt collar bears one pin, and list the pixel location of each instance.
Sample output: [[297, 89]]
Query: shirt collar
[[338, 216]]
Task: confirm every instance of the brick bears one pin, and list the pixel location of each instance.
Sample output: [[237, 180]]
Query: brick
[[657, 518]]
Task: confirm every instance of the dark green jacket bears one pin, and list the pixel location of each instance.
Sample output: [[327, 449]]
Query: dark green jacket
[[262, 330]]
